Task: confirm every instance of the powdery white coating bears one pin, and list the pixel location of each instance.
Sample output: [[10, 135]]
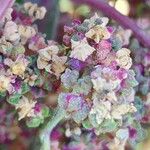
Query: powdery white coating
[[45, 55], [97, 33], [11, 32], [18, 66], [34, 11], [81, 49], [123, 58], [26, 107], [26, 32]]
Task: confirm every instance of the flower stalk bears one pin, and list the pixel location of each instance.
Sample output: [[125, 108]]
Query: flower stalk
[[46, 131], [123, 20]]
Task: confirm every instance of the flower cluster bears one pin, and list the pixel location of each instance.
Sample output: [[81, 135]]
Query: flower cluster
[[100, 73], [19, 74], [90, 74], [34, 11], [50, 60]]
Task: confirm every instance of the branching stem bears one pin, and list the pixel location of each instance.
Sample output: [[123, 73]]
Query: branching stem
[[46, 131]]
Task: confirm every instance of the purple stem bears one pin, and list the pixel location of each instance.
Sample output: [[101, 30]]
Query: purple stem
[[125, 21], [4, 5]]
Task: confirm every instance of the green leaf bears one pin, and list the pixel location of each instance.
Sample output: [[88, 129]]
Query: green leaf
[[109, 125], [19, 49], [25, 88], [45, 112], [32, 59], [37, 71], [14, 99], [86, 124], [2, 94], [47, 86], [133, 83], [37, 82], [128, 119], [34, 122]]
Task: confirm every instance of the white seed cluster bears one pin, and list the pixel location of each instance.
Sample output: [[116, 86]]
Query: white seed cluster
[[11, 32], [26, 31], [34, 11]]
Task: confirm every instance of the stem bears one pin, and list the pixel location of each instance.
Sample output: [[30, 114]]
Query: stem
[[4, 5], [45, 133], [125, 21], [51, 19]]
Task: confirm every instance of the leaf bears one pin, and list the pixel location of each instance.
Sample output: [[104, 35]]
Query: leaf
[[128, 119], [37, 82], [17, 50], [2, 94], [32, 59], [34, 122], [25, 88], [47, 86], [86, 124], [116, 43], [109, 125], [45, 112], [14, 99]]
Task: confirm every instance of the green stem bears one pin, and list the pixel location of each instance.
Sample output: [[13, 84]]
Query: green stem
[[46, 131]]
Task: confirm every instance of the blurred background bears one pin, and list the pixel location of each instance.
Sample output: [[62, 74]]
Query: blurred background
[[61, 12]]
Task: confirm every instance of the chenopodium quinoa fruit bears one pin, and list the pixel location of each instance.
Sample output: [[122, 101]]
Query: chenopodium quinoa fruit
[[90, 76]]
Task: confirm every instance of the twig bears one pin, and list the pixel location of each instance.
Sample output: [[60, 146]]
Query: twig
[[4, 5], [51, 19], [46, 131], [125, 21]]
